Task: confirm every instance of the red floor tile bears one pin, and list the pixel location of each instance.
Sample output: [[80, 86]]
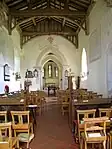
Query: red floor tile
[[52, 131]]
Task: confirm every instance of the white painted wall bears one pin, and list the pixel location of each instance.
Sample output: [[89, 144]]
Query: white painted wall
[[9, 54], [100, 19], [36, 50]]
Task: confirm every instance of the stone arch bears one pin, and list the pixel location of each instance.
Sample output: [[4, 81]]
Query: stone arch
[[53, 58], [55, 51]]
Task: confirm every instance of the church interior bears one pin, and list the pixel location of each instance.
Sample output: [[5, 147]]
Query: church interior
[[55, 74]]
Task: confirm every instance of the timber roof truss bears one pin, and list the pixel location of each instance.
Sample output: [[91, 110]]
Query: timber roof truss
[[48, 17]]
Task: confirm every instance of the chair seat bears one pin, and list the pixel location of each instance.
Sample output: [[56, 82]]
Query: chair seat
[[81, 126], [20, 126], [24, 137]]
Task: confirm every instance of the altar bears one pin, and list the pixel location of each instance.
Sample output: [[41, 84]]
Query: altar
[[52, 90]]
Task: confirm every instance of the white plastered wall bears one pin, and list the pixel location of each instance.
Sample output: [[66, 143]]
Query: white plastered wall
[[9, 54], [100, 19], [36, 54]]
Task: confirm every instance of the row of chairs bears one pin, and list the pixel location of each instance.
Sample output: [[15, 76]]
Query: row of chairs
[[63, 99], [79, 94], [86, 114], [20, 126], [85, 94], [36, 98]]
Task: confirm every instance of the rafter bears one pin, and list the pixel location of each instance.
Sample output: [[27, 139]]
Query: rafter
[[73, 22], [47, 12], [4, 7], [14, 3], [27, 20], [65, 24], [91, 7], [66, 5], [29, 4], [62, 17], [48, 3]]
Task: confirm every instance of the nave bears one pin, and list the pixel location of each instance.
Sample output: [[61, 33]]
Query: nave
[[52, 130]]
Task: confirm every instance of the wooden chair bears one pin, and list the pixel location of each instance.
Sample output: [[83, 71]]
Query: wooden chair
[[93, 132], [105, 112], [22, 126], [3, 116], [7, 141], [65, 104], [83, 114]]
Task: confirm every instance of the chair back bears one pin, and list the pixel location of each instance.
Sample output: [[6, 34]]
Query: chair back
[[85, 114], [105, 112], [3, 116], [92, 129], [5, 135], [20, 117]]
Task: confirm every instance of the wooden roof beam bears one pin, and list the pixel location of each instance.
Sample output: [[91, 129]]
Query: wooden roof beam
[[29, 33], [91, 7], [74, 22], [29, 4], [65, 24], [14, 3], [66, 5], [34, 22], [48, 3], [4, 7], [47, 12]]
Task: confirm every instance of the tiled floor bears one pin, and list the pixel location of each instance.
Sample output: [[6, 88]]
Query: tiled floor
[[52, 131]]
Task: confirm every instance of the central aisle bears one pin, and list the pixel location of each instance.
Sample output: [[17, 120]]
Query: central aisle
[[52, 131]]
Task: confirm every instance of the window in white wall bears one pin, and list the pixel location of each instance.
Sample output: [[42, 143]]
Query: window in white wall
[[50, 70], [84, 65], [56, 72]]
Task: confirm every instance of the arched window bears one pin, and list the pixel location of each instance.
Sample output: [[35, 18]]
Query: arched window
[[50, 70], [84, 65], [56, 71]]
